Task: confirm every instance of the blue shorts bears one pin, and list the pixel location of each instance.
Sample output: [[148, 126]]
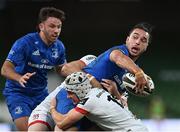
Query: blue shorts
[[21, 105]]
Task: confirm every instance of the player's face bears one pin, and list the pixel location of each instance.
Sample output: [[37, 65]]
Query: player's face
[[73, 96], [137, 42], [50, 29]]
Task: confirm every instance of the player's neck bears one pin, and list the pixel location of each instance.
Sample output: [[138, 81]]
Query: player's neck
[[44, 39]]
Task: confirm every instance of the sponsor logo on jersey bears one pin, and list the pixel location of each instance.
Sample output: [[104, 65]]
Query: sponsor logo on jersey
[[36, 53], [40, 66], [18, 110], [90, 58]]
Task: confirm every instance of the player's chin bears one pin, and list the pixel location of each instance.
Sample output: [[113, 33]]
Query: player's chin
[[135, 54], [53, 39]]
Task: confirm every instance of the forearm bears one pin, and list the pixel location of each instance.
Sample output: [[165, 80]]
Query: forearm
[[58, 70], [71, 67], [64, 122], [124, 62], [117, 94], [57, 117]]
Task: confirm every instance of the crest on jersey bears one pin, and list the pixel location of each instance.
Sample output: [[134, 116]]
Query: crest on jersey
[[55, 53]]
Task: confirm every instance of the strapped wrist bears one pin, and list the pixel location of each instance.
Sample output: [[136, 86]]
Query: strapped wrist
[[139, 73]]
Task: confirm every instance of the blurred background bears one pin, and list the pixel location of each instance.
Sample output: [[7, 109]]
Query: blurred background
[[91, 27]]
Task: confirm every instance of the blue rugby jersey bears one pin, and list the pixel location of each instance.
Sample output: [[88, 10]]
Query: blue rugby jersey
[[104, 68], [31, 54]]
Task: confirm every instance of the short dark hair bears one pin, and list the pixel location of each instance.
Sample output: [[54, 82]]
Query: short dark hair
[[47, 12], [144, 26]]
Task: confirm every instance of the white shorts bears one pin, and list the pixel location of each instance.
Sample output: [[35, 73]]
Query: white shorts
[[43, 117], [41, 114]]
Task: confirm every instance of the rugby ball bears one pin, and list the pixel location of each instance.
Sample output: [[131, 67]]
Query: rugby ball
[[128, 82]]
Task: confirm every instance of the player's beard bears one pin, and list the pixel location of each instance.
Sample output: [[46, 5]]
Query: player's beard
[[49, 38]]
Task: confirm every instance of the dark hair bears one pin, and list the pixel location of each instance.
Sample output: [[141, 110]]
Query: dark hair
[[144, 26], [47, 12]]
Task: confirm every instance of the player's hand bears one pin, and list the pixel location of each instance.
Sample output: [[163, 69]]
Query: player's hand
[[53, 102], [25, 77], [110, 86], [141, 82], [123, 101]]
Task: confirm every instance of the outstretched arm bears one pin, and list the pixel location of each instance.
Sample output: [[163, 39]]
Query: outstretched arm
[[71, 67], [127, 63]]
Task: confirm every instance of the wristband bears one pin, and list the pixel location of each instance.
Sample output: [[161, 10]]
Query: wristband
[[90, 77]]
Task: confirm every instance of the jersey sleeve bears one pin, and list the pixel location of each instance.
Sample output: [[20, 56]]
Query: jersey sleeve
[[85, 106], [18, 52], [124, 50], [88, 59]]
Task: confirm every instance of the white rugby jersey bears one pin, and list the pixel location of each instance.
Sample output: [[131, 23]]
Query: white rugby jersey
[[100, 107]]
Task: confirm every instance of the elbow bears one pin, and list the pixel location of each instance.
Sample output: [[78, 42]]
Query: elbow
[[65, 70], [3, 71]]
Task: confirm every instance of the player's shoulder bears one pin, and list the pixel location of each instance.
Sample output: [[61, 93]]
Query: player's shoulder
[[58, 42], [88, 59], [123, 48], [22, 42], [59, 45], [28, 38]]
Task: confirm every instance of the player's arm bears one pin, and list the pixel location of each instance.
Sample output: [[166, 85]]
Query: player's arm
[[111, 87], [113, 90], [127, 63], [8, 71], [124, 61], [65, 121], [73, 66], [57, 117], [58, 69]]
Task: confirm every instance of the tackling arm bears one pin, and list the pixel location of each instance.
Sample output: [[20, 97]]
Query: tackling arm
[[65, 121]]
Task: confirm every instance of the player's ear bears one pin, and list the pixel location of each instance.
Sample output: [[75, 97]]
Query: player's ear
[[41, 26], [127, 39]]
